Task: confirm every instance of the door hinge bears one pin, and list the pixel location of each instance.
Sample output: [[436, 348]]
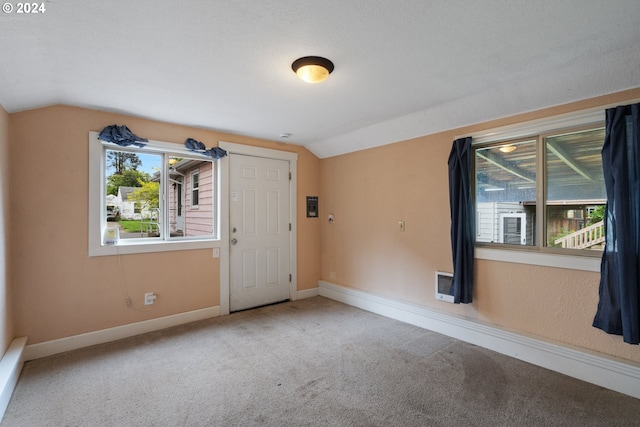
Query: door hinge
[[289, 176], [289, 278], [289, 226]]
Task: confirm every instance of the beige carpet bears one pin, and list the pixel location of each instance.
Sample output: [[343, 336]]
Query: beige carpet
[[312, 362]]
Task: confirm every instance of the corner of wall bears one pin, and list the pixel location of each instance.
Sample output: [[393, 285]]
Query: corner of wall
[[11, 363], [7, 331], [10, 368]]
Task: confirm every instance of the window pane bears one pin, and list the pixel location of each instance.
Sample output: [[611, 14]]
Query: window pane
[[506, 193], [576, 194], [189, 217], [133, 193]]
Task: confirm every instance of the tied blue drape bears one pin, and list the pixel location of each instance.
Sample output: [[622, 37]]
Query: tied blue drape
[[122, 136], [462, 220], [619, 280], [199, 147]]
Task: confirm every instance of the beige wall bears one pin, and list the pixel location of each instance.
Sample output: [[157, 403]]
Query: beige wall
[[6, 306], [59, 290], [371, 190]]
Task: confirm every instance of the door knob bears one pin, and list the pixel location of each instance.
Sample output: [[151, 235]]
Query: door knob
[[234, 241]]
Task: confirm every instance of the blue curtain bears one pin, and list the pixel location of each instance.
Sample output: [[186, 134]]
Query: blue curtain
[[462, 220], [619, 281]]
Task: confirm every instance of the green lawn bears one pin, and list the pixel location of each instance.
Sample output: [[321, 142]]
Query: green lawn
[[130, 226]]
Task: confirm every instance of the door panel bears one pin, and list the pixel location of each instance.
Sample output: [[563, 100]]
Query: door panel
[[249, 269], [512, 228], [259, 231], [249, 212]]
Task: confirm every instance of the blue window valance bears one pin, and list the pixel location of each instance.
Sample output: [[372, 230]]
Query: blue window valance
[[122, 136], [199, 147]]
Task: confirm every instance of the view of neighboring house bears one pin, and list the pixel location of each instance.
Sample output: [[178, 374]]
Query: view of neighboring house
[[191, 198], [514, 223], [113, 207], [129, 209]]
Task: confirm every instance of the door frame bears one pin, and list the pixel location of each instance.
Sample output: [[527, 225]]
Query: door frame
[[224, 192], [523, 226]]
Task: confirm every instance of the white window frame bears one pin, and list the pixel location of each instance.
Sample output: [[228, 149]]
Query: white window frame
[[194, 189], [532, 255], [97, 206]]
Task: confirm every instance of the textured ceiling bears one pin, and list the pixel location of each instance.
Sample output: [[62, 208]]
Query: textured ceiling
[[404, 68]]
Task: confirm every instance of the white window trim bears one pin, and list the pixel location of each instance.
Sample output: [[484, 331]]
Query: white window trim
[[531, 256], [195, 172], [97, 215], [541, 126], [545, 259]]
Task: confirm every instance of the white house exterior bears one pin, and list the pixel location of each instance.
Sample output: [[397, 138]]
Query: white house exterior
[[128, 209]]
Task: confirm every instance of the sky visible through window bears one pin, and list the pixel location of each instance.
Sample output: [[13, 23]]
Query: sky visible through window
[[151, 163]]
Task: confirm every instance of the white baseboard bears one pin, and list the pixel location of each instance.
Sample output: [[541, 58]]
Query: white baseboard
[[307, 293], [48, 348], [595, 368], [10, 367]]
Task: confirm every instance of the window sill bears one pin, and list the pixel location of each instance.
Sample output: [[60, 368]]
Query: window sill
[[574, 262], [126, 248]]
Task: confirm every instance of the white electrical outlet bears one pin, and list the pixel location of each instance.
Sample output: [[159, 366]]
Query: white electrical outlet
[[149, 298]]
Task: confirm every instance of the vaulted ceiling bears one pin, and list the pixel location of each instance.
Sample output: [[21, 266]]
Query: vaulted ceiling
[[403, 68]]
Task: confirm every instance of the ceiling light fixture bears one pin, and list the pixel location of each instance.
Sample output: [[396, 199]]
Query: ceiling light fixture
[[508, 148], [312, 69]]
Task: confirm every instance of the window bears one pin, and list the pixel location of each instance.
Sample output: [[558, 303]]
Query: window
[[506, 192], [575, 192], [544, 192], [195, 185], [139, 192]]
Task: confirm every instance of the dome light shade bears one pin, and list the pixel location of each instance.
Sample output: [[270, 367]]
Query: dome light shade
[[508, 148], [312, 69]]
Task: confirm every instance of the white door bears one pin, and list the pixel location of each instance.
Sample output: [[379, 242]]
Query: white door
[[258, 231], [513, 228]]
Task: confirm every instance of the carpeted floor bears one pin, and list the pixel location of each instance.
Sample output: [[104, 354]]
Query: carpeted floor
[[313, 362]]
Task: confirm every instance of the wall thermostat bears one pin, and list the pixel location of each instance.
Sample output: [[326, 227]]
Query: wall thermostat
[[312, 206]]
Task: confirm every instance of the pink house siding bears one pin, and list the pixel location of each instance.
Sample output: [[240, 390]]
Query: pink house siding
[[199, 219]]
